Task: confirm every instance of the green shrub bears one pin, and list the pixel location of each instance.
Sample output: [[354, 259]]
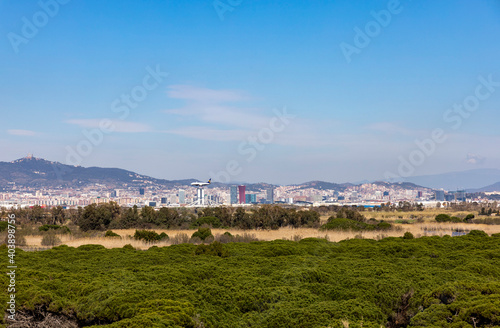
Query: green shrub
[[456, 219], [383, 226], [477, 233], [346, 224], [164, 236], [3, 225], [129, 247], [443, 218], [110, 233], [149, 236], [202, 233], [211, 221], [214, 249], [408, 235], [91, 247], [469, 218], [60, 229]]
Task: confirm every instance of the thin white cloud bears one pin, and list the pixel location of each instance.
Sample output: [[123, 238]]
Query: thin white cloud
[[116, 125], [24, 133], [225, 115], [206, 133]]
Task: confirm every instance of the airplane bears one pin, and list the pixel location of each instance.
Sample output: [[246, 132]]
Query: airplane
[[201, 184]]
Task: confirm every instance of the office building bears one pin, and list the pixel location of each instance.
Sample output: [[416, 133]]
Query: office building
[[141, 191], [163, 200], [270, 195], [241, 192], [460, 196], [440, 195], [182, 196], [250, 198], [233, 194]]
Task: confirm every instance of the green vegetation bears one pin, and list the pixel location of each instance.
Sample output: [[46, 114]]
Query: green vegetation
[[149, 236], [3, 225], [395, 282], [60, 229], [408, 235], [202, 233], [354, 225], [211, 221], [110, 233], [447, 218]]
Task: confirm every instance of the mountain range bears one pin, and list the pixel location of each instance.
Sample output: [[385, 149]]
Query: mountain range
[[471, 180], [40, 173]]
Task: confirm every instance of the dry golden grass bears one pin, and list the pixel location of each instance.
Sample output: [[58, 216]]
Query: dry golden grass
[[426, 215], [417, 229]]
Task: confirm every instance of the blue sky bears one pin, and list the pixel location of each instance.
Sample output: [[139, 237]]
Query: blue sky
[[219, 82]]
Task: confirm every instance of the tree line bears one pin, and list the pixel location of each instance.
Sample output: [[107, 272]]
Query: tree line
[[112, 216]]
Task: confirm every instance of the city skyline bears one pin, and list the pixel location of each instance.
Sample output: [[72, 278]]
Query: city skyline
[[283, 93]]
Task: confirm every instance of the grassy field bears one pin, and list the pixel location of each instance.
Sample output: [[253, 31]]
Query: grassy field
[[417, 229]]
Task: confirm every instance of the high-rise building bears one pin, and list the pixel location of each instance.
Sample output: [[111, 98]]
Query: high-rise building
[[141, 191], [233, 192], [182, 196], [241, 192], [250, 198], [200, 198], [270, 195], [163, 200], [440, 195], [460, 196]]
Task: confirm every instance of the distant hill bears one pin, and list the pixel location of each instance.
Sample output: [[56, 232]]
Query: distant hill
[[471, 179], [322, 185], [402, 185], [490, 188], [37, 173]]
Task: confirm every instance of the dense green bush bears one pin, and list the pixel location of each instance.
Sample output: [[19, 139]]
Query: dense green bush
[[395, 282], [58, 228], [383, 226], [202, 233], [3, 225], [110, 233], [149, 236], [408, 235], [469, 218], [477, 233], [211, 221], [346, 224], [129, 247], [214, 249], [456, 219], [447, 218]]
